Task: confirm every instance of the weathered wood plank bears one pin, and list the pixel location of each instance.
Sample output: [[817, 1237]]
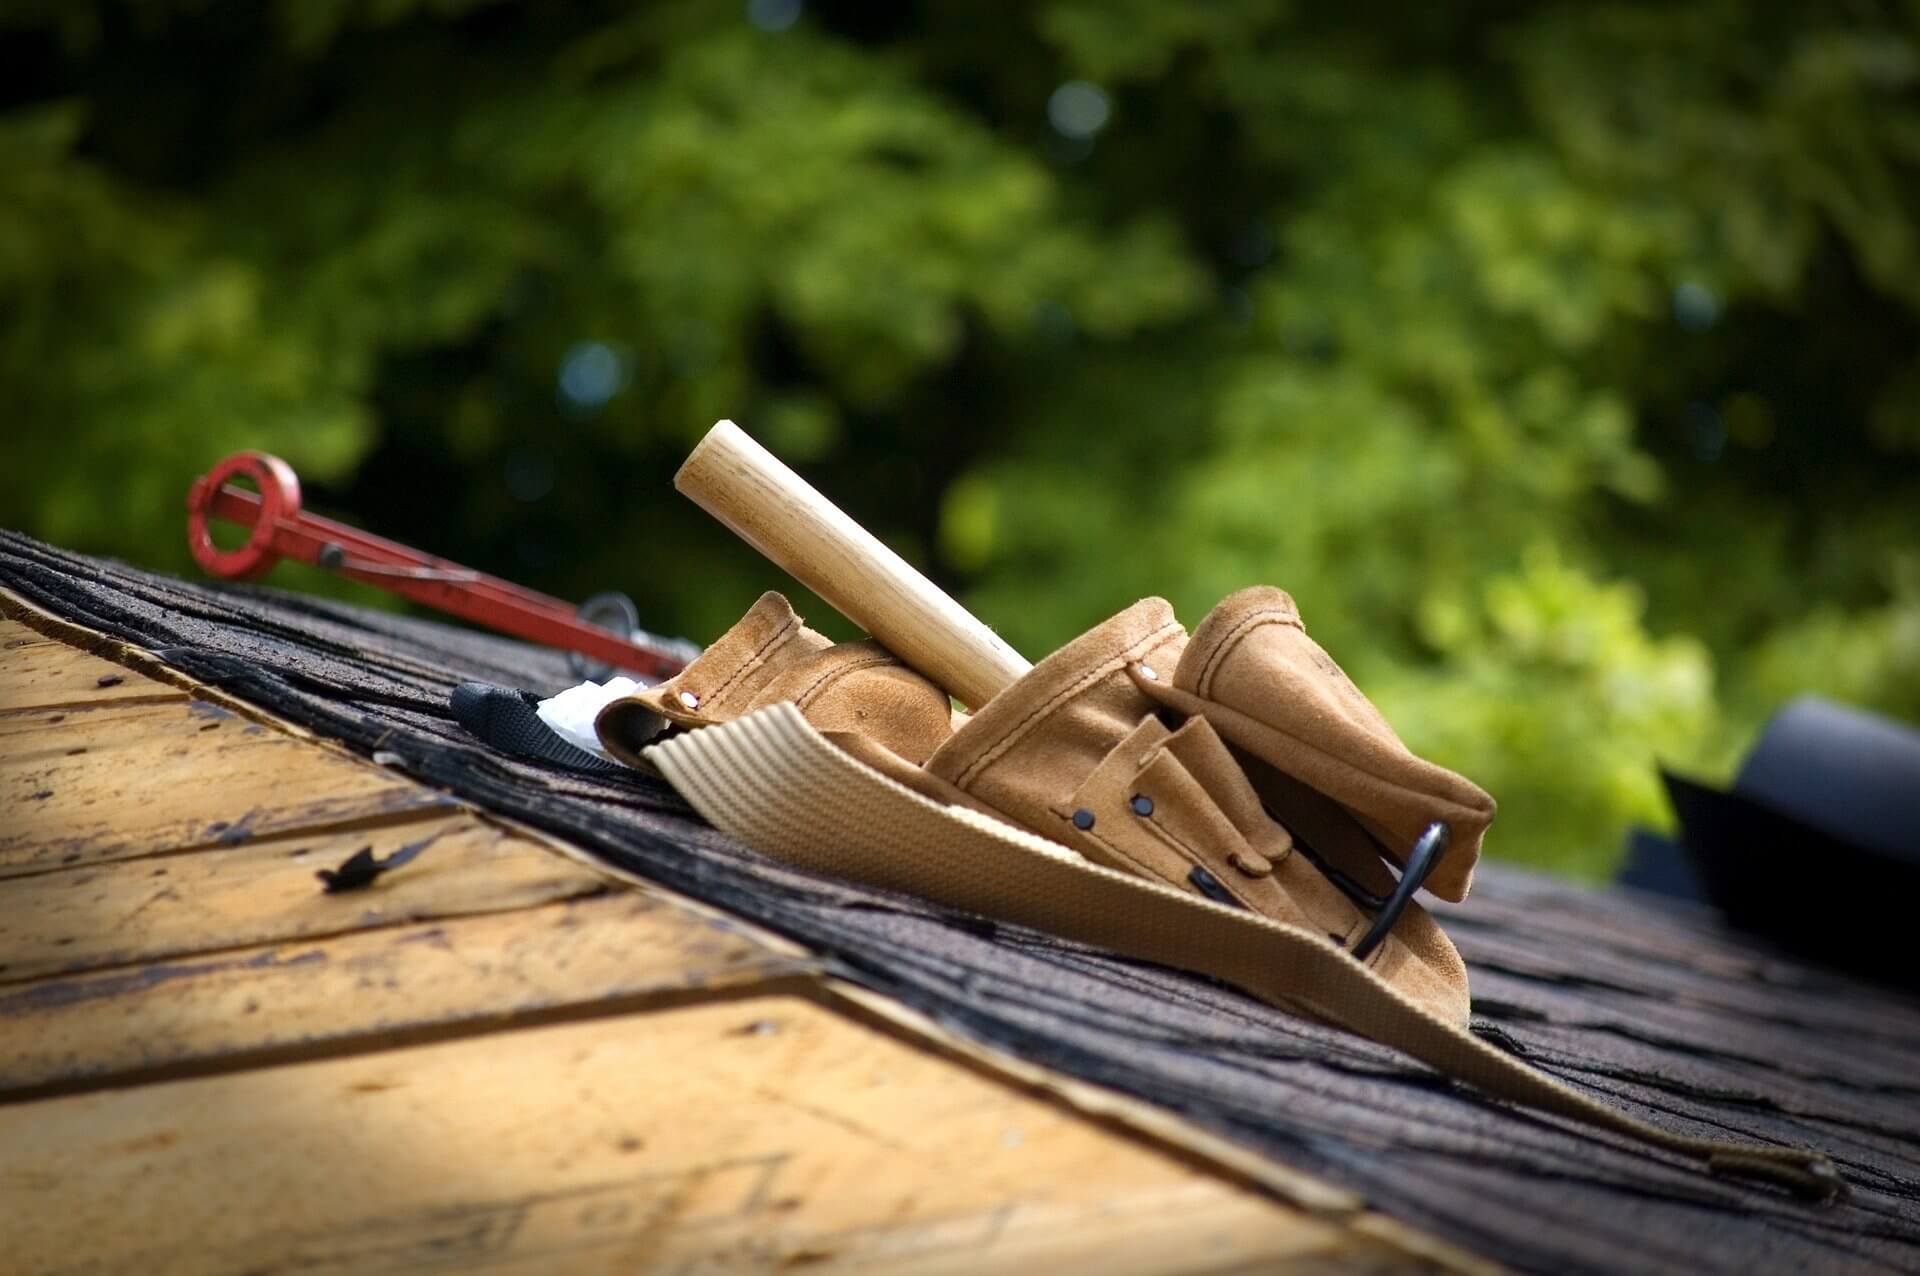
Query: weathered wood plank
[[38, 672], [254, 1003], [266, 892], [84, 786], [759, 1134]]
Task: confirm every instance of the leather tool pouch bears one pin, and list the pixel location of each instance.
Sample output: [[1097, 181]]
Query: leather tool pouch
[[769, 656], [1241, 765]]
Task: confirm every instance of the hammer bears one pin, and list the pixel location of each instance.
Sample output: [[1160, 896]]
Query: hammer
[[780, 514]]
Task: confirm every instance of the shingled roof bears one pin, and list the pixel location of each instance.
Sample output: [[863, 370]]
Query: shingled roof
[[1653, 1007]]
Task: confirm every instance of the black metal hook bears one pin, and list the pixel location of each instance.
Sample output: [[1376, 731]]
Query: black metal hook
[[1426, 852]]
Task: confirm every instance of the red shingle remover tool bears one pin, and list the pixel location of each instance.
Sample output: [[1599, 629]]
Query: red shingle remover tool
[[604, 629]]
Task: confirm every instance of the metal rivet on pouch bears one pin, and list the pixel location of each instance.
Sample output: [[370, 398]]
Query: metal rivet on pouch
[[1083, 819], [1141, 804], [1209, 885], [690, 700]]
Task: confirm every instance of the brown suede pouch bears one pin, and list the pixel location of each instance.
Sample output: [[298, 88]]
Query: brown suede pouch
[[1192, 763], [1269, 689], [1077, 751], [768, 657]]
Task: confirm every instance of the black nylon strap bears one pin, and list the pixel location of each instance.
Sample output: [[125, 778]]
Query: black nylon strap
[[508, 720]]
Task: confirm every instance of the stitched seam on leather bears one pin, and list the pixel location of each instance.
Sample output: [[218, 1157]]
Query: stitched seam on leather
[[1336, 760], [1445, 805], [1019, 729], [820, 684], [1273, 616], [1235, 636], [754, 661]]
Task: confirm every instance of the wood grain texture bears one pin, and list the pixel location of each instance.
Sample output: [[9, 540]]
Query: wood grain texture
[[113, 782], [266, 891], [1323, 1102], [37, 672], [777, 512], [221, 976], [762, 1134], [232, 1009]]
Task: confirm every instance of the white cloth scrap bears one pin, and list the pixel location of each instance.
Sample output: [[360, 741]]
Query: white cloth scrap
[[571, 713]]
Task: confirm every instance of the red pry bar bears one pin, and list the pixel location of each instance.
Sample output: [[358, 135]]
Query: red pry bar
[[280, 529]]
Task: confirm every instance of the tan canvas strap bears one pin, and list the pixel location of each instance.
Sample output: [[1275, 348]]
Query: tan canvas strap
[[776, 783]]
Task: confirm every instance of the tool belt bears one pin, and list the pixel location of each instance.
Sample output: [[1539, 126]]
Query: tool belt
[[1226, 802]]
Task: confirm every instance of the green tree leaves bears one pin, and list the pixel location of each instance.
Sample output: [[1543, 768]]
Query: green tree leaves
[[1559, 359]]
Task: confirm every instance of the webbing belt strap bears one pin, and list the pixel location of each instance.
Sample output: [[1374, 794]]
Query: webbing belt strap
[[780, 786]]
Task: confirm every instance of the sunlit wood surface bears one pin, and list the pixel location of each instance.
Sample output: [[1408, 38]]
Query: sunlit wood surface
[[493, 1058]]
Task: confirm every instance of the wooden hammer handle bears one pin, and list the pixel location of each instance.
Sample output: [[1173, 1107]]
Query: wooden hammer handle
[[781, 515]]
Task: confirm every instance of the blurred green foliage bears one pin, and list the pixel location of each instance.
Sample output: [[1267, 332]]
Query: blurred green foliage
[[1561, 359]]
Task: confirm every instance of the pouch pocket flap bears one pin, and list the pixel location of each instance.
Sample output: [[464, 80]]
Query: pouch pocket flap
[[720, 684], [1252, 671]]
